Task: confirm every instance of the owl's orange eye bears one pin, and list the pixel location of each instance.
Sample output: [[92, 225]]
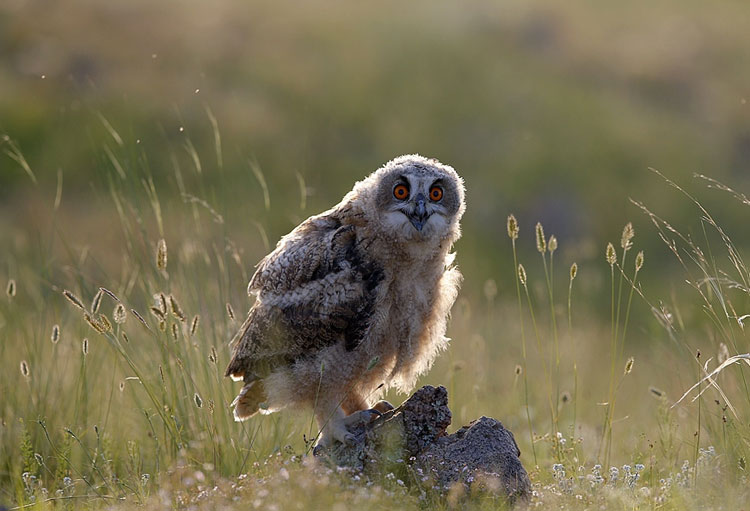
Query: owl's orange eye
[[436, 193], [401, 192]]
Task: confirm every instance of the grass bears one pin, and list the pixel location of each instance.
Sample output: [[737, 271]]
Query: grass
[[113, 359], [125, 165]]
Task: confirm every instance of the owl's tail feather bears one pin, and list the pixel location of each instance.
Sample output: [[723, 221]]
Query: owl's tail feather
[[249, 401]]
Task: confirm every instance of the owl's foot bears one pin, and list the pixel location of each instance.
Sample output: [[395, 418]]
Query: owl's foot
[[383, 407], [338, 428]]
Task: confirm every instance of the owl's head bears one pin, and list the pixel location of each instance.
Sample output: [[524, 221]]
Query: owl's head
[[412, 198]]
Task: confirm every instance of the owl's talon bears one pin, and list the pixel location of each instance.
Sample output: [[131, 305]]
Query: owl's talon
[[383, 407], [362, 417], [339, 432], [370, 415]]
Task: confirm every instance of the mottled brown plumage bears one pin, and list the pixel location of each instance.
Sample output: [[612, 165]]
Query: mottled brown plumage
[[353, 298]]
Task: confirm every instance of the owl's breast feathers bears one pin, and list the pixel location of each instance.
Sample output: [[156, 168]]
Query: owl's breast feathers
[[317, 288]]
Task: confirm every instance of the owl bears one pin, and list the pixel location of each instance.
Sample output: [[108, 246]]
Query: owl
[[353, 301]]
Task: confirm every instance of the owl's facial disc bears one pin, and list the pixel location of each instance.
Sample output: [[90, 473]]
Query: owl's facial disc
[[418, 198], [418, 201]]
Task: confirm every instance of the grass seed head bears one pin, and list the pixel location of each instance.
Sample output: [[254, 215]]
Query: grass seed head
[[161, 254], [522, 274], [656, 392], [639, 261], [230, 311], [611, 254], [176, 309], [73, 299], [552, 244], [110, 294], [94, 323], [120, 314], [198, 400], [97, 301], [573, 271], [125, 337], [140, 318], [106, 325], [25, 369], [175, 331], [158, 314], [512, 227], [55, 337], [629, 365], [212, 355], [541, 242], [10, 290], [627, 236], [194, 325], [85, 346], [160, 303]]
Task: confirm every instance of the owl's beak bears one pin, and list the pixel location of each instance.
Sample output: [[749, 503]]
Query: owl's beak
[[418, 217]]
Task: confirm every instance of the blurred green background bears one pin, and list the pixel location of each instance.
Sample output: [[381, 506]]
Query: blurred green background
[[250, 116], [552, 111]]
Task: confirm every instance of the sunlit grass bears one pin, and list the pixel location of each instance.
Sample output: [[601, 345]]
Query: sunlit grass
[[113, 387]]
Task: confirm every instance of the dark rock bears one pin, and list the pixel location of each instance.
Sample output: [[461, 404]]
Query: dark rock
[[483, 452], [482, 456]]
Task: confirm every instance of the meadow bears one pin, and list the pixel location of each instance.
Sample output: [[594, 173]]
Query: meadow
[[152, 154]]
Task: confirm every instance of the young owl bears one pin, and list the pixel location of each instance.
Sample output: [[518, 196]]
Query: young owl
[[354, 300]]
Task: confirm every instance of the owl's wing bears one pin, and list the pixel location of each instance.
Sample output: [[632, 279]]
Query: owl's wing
[[317, 288]]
